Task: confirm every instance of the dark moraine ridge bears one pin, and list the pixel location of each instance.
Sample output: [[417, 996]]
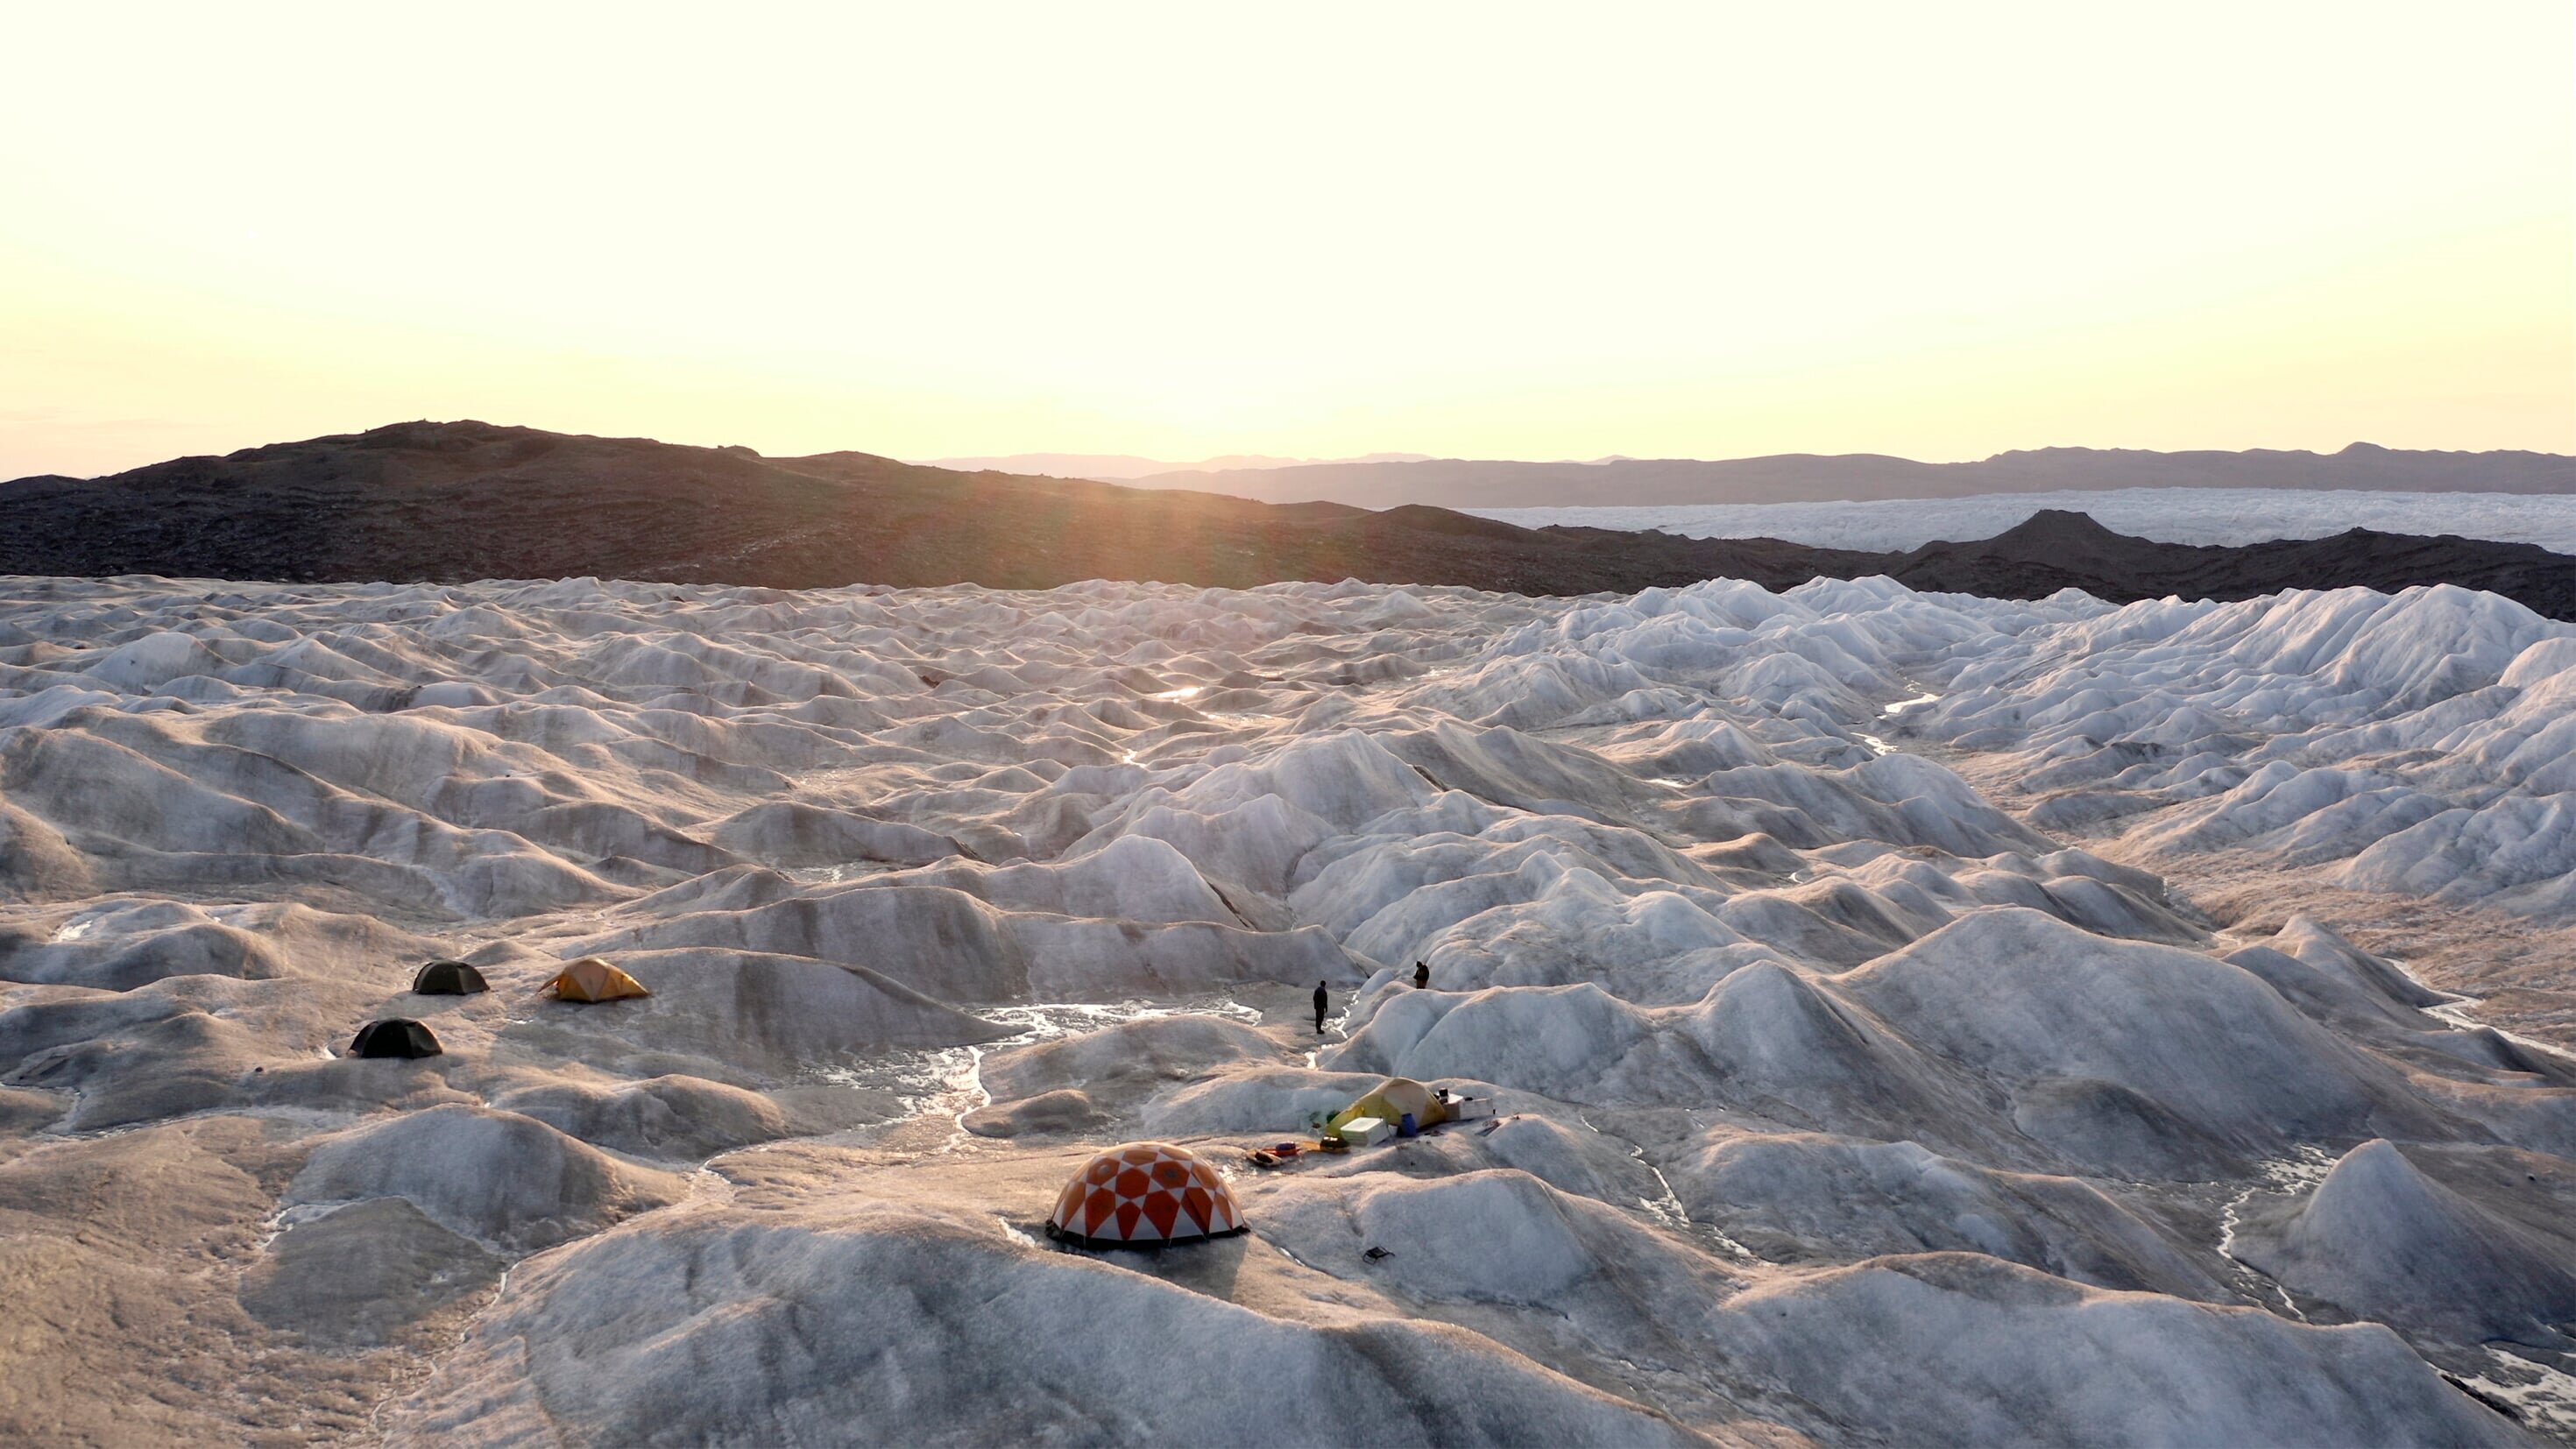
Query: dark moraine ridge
[[466, 500]]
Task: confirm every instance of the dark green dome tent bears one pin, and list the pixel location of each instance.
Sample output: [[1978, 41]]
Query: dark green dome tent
[[448, 978], [394, 1037]]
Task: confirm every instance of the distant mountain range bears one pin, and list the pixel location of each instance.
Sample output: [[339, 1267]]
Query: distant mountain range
[[1122, 467], [451, 502], [1808, 477]]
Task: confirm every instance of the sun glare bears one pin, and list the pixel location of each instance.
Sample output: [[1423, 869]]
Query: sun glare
[[1478, 231]]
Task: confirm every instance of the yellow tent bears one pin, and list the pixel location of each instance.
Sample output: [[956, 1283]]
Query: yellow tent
[[591, 979], [1388, 1103]]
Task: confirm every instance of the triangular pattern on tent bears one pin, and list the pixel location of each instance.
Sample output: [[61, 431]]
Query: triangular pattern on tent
[[1144, 1194]]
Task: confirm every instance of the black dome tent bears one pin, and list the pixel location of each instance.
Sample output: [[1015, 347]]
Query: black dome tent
[[448, 978], [394, 1037]]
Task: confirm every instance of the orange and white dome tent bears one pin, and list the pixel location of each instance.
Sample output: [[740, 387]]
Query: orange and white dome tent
[[1144, 1195], [591, 979]]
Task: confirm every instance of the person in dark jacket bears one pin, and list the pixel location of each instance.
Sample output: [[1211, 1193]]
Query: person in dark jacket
[[1323, 1003], [1421, 975]]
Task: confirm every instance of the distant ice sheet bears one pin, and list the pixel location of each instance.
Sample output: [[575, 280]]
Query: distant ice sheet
[[2169, 515]]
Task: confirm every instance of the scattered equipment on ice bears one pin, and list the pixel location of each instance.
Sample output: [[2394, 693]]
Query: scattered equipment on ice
[[1389, 1103]]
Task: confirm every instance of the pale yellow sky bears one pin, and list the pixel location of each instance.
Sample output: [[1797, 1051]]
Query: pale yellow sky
[[1473, 230]]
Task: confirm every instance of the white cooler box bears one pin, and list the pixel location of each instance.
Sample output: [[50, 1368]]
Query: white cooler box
[[1366, 1131]]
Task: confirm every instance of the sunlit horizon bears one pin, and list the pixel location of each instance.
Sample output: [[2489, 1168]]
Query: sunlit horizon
[[1176, 233]]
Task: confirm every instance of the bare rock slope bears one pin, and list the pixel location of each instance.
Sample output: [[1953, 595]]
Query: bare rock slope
[[454, 502]]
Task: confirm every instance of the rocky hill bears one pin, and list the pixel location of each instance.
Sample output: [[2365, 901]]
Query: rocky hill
[[448, 502]]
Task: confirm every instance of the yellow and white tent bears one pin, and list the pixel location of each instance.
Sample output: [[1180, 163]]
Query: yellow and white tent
[[1389, 1101], [591, 979]]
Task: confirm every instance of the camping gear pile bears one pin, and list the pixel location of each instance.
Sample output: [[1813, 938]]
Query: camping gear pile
[[1278, 1153], [1144, 1195], [1399, 1107], [1396, 1107]]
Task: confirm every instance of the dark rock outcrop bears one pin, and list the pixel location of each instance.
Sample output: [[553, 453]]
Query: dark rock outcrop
[[447, 502]]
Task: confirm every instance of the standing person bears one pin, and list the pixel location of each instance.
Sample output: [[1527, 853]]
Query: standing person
[[1323, 1003], [1421, 975]]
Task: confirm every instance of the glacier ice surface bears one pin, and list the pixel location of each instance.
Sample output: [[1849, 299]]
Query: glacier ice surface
[[1855, 1073]]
